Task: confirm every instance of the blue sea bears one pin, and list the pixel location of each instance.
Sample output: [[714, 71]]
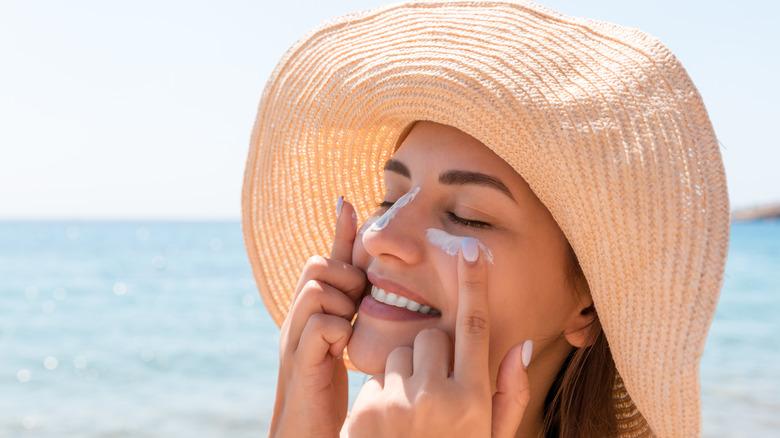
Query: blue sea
[[152, 329]]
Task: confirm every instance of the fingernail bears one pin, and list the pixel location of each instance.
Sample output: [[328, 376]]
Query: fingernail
[[470, 249], [339, 203], [340, 355], [528, 348]]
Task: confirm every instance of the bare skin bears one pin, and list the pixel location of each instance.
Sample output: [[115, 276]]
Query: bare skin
[[311, 395], [417, 395], [458, 371]]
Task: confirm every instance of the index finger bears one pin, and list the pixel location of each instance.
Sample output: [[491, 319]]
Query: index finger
[[346, 229], [472, 327]]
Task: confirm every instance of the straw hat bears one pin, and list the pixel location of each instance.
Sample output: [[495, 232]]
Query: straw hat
[[602, 122]]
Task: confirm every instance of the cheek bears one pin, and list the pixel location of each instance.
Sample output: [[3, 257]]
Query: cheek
[[447, 270], [524, 296], [360, 257], [532, 304]]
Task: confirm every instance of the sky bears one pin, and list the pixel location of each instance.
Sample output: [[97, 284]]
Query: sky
[[142, 110]]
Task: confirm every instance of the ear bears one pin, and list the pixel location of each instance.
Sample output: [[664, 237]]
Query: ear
[[579, 331]]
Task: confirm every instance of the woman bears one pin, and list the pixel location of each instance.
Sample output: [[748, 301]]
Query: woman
[[539, 177]]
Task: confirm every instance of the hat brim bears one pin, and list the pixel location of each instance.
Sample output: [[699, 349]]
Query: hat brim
[[602, 122]]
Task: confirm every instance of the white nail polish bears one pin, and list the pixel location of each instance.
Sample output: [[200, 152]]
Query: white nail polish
[[528, 348], [452, 244], [470, 249], [339, 203]]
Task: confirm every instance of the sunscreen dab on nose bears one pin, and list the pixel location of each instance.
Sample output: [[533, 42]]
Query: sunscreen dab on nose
[[382, 222], [451, 244], [367, 224]]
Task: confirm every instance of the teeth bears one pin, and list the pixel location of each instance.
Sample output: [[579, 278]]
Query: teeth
[[394, 300]]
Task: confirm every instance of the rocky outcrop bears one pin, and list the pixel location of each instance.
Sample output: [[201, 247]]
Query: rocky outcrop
[[756, 213]]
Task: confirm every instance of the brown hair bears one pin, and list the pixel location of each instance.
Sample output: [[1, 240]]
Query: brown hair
[[580, 403]]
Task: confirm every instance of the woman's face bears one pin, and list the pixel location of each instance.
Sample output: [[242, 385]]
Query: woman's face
[[461, 188]]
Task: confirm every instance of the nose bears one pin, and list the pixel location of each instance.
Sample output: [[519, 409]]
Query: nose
[[396, 234]]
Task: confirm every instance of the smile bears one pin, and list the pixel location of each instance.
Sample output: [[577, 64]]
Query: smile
[[392, 299]]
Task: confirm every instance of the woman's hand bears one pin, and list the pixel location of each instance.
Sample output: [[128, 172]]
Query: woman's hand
[[418, 396], [311, 393]]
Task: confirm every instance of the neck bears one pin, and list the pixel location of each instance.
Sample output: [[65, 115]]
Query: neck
[[541, 374]]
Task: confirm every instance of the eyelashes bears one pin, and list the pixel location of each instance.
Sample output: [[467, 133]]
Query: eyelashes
[[467, 222], [452, 217]]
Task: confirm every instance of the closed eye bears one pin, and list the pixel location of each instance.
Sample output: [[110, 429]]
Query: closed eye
[[385, 204], [454, 218], [466, 222]]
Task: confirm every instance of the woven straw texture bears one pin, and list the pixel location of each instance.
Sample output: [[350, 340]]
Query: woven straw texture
[[602, 121]]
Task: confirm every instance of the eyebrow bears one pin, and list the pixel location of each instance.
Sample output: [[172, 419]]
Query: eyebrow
[[463, 177], [397, 167], [454, 177]]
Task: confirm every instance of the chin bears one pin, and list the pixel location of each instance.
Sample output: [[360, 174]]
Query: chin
[[368, 349]]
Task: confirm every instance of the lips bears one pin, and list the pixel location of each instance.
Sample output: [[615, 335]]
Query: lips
[[393, 299]]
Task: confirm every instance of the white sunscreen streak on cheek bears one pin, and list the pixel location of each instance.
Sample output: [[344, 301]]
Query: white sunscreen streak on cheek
[[382, 222], [451, 244]]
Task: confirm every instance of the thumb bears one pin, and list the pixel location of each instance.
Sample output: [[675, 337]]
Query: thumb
[[512, 391]]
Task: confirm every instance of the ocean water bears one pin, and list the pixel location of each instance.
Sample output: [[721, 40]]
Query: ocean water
[[740, 369], [151, 329]]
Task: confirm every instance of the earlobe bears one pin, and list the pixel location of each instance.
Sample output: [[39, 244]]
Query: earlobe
[[580, 330]]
